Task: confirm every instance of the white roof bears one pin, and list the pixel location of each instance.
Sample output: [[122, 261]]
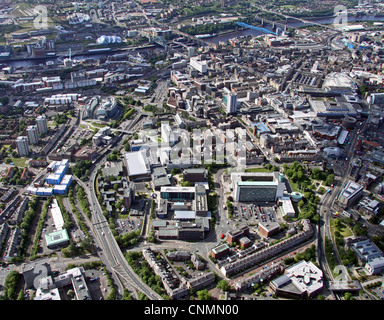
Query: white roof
[[56, 215], [136, 163], [180, 214]]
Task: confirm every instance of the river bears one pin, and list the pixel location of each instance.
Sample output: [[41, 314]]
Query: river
[[291, 23], [224, 37]]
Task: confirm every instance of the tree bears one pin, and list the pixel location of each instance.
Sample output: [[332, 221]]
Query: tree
[[223, 285], [204, 295]]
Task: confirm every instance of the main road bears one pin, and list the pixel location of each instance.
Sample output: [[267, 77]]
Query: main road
[[107, 247]]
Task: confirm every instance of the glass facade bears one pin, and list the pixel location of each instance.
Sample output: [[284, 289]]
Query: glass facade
[[257, 194]]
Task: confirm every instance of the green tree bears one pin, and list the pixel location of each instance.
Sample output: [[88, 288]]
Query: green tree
[[204, 295], [223, 285]]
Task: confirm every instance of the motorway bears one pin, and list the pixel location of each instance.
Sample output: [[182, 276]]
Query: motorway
[[107, 247]]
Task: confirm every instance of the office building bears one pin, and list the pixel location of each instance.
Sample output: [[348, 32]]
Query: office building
[[41, 122], [235, 235], [230, 101], [198, 64], [33, 134], [257, 186], [177, 193], [302, 280], [22, 146], [351, 193]]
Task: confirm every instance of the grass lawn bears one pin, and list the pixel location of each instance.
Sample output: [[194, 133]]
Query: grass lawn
[[344, 231], [19, 162], [257, 170]]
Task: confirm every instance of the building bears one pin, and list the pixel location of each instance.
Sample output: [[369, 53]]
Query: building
[[199, 65], [366, 250], [251, 260], [195, 175], [33, 134], [257, 186], [41, 122], [137, 164], [267, 229], [220, 251], [177, 193], [286, 207], [237, 234], [160, 178], [57, 239], [302, 280], [22, 146], [167, 135], [230, 101], [375, 266], [350, 194]]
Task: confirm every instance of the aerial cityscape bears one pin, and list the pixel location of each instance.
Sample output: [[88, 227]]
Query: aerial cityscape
[[192, 150]]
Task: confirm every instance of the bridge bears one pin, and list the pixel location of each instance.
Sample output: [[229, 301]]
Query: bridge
[[245, 25], [285, 25], [160, 41]]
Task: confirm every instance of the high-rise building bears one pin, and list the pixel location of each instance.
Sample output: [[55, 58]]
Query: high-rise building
[[230, 100], [33, 134], [41, 122], [22, 146], [257, 186]]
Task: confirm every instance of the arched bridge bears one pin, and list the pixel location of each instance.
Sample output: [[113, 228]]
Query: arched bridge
[[245, 25]]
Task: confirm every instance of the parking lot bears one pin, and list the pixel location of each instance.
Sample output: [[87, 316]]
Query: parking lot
[[255, 213], [129, 225]]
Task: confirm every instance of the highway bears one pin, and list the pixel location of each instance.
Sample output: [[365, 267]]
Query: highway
[[107, 247]]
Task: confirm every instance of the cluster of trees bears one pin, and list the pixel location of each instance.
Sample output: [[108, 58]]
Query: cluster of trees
[[16, 178], [36, 245], [81, 168], [331, 259], [209, 28], [128, 110], [327, 176], [308, 205], [10, 287], [114, 156], [79, 218], [128, 239], [25, 226], [60, 118], [145, 272], [308, 254], [83, 200]]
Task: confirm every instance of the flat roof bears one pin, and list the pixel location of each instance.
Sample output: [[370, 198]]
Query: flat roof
[[56, 215], [181, 214], [56, 237], [258, 183], [136, 163], [177, 189]]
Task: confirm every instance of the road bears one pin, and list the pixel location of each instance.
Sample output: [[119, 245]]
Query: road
[[109, 250], [342, 170]]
